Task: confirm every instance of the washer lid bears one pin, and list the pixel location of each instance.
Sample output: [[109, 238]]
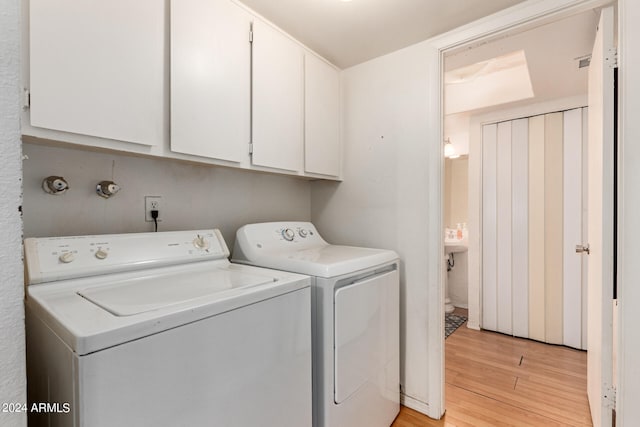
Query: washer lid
[[144, 294], [298, 247], [326, 260], [93, 313]]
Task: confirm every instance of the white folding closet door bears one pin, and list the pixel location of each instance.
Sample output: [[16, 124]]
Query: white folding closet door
[[489, 225], [532, 217], [553, 239], [520, 225], [572, 228], [536, 229], [503, 228]]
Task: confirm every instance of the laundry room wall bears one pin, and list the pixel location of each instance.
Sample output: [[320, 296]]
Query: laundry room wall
[[12, 347], [384, 199], [193, 196]]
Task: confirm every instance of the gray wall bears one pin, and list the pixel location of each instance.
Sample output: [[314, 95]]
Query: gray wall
[[12, 350], [193, 196]]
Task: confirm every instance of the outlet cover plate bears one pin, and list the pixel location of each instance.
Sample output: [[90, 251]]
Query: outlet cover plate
[[152, 203]]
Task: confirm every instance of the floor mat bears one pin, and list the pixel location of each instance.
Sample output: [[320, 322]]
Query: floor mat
[[452, 322]]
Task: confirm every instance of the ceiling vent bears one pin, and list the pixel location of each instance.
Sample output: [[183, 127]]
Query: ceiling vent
[[584, 62]]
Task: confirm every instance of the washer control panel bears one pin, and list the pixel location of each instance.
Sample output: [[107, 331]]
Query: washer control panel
[[272, 237], [295, 233], [57, 258], [288, 234]]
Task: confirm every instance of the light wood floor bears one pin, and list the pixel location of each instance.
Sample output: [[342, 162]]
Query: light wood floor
[[496, 380]]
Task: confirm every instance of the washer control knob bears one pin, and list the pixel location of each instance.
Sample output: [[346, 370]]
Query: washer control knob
[[288, 234], [200, 242], [67, 257], [101, 254], [303, 233]]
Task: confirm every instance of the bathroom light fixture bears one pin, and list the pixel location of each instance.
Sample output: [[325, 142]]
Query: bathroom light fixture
[[449, 150]]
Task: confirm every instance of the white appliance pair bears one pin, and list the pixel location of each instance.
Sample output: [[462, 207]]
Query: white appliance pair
[[159, 329], [355, 319]]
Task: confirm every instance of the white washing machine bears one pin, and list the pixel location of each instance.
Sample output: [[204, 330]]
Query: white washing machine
[[160, 329], [355, 310]]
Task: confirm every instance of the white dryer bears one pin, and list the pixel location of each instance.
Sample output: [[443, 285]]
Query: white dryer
[[355, 311], [160, 329]]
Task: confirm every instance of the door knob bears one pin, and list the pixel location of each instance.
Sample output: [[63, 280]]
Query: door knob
[[582, 248]]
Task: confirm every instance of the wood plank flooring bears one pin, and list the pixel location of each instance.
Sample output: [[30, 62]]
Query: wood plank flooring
[[496, 380]]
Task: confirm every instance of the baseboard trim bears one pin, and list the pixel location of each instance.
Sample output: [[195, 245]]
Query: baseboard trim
[[416, 405], [475, 326]]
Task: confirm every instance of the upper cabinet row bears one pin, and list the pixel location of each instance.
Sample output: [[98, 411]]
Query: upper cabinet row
[[211, 83]]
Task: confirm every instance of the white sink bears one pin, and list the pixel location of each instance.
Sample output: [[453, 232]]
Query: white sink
[[455, 245]]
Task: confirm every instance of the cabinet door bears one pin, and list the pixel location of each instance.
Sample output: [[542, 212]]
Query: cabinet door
[[322, 153], [97, 68], [277, 99], [210, 79]]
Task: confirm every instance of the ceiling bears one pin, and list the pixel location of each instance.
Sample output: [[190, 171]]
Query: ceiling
[[350, 32], [495, 81], [552, 54]]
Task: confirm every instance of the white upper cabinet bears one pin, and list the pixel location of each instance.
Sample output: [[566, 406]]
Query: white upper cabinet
[[322, 153], [98, 67], [206, 81], [210, 79], [278, 99]]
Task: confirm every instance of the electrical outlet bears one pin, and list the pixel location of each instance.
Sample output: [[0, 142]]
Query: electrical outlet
[[152, 203]]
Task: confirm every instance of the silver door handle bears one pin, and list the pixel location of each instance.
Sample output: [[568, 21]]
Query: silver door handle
[[582, 248]]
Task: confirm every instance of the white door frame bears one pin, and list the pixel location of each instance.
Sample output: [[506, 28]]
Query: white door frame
[[518, 18]]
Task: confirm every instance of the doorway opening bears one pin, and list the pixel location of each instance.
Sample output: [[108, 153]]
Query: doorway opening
[[499, 93]]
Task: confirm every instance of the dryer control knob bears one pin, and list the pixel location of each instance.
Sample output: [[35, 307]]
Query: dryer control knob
[[101, 254], [200, 242], [303, 233], [67, 257], [288, 234]]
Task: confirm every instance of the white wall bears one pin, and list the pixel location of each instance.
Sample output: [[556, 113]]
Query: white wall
[[456, 192], [628, 413], [193, 196], [456, 211], [458, 280], [456, 128], [12, 344], [385, 198]]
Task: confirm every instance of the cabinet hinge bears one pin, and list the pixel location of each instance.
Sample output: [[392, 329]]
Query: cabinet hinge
[[250, 36], [26, 102], [610, 396], [611, 57], [250, 148]]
